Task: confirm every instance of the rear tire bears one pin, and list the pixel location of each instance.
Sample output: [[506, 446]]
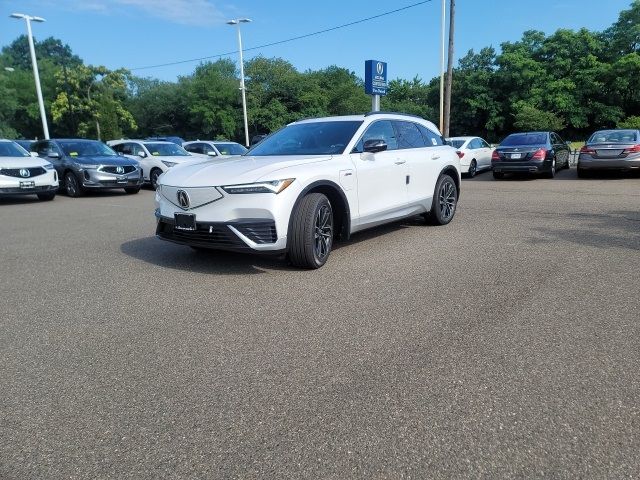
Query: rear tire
[[582, 173], [552, 172], [498, 175], [473, 169], [311, 234], [131, 190], [444, 203], [46, 197], [72, 185]]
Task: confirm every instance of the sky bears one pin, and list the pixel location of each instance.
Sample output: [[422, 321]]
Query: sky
[[140, 33]]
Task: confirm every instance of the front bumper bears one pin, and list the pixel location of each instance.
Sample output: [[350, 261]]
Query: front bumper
[[47, 182], [609, 164], [240, 222], [522, 167], [96, 179]]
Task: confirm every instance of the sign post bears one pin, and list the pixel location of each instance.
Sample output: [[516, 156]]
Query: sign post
[[375, 81]]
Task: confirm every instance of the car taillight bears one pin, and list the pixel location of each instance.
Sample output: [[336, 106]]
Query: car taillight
[[634, 149], [586, 149], [495, 156], [460, 154], [539, 154]]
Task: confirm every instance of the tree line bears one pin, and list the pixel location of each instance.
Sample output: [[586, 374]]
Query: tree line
[[570, 81]]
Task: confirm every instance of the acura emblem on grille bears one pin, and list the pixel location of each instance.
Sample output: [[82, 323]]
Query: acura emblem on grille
[[119, 169], [24, 172], [183, 198]]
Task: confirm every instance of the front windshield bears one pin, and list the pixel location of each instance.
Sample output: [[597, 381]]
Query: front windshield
[[86, 148], [614, 136], [517, 139], [230, 148], [456, 143], [166, 150], [11, 149], [309, 138]]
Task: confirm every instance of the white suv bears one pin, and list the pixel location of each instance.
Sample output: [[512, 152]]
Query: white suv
[[310, 183], [154, 157]]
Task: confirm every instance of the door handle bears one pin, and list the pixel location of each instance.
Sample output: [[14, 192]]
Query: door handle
[[400, 162], [435, 157]]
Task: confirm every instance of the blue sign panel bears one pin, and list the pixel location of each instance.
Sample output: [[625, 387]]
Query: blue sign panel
[[375, 77]]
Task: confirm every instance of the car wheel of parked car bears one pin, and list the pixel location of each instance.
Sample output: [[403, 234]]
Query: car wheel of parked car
[[445, 200], [473, 169], [551, 173], [311, 235], [582, 173], [153, 177], [132, 190], [498, 175], [72, 185], [45, 197]]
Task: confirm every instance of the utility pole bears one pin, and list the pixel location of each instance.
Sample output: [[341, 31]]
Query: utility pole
[[442, 66], [447, 95]]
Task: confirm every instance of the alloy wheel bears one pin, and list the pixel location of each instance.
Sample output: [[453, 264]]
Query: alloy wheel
[[473, 169], [323, 235], [447, 200]]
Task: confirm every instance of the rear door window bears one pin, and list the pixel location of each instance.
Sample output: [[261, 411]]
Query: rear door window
[[431, 139]]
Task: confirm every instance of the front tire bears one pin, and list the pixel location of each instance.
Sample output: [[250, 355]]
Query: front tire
[[311, 235], [72, 185], [46, 197], [153, 177], [132, 190], [444, 203]]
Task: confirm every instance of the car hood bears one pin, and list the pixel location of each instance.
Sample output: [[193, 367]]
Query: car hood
[[22, 162], [234, 170], [103, 160]]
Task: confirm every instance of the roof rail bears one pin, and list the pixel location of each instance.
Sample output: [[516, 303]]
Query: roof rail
[[393, 113]]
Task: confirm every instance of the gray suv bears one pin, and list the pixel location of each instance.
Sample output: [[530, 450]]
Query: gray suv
[[89, 164]]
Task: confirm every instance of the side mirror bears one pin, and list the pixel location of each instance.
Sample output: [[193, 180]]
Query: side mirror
[[375, 145], [141, 154], [53, 155], [212, 153]]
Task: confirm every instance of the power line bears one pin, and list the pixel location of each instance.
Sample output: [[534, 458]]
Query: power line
[[280, 42]]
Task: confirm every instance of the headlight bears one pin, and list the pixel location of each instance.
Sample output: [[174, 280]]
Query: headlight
[[88, 167], [169, 164], [48, 167], [273, 186]]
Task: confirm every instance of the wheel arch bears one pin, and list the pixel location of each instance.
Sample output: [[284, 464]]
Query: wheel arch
[[453, 173], [339, 204]]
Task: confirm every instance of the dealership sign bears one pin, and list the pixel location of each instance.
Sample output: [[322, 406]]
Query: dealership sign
[[375, 77]]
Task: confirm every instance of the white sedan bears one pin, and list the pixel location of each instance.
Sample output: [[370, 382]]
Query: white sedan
[[23, 174], [474, 152], [311, 182], [154, 157]]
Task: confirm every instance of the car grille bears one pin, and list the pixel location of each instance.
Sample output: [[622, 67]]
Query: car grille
[[218, 235], [113, 169], [15, 172]]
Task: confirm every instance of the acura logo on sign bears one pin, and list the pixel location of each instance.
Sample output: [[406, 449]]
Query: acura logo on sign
[[119, 169], [24, 172], [379, 68], [183, 199]]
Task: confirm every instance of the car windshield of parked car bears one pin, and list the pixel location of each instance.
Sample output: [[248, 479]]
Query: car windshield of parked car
[[309, 138], [518, 139], [10, 149], [166, 150], [614, 136], [230, 148], [456, 143], [86, 149]]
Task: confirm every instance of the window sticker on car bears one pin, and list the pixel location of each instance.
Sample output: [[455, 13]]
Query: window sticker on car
[[433, 140], [155, 154], [73, 154]]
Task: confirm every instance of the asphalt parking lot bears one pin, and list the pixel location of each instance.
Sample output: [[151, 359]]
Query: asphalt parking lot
[[506, 344]]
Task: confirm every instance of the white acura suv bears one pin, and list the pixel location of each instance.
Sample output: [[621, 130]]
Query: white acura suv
[[310, 183]]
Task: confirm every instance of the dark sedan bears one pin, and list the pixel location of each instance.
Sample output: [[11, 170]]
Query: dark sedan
[[610, 150], [531, 152], [89, 164]]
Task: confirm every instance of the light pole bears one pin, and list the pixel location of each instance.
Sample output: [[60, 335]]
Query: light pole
[[34, 63], [237, 23], [442, 19]]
